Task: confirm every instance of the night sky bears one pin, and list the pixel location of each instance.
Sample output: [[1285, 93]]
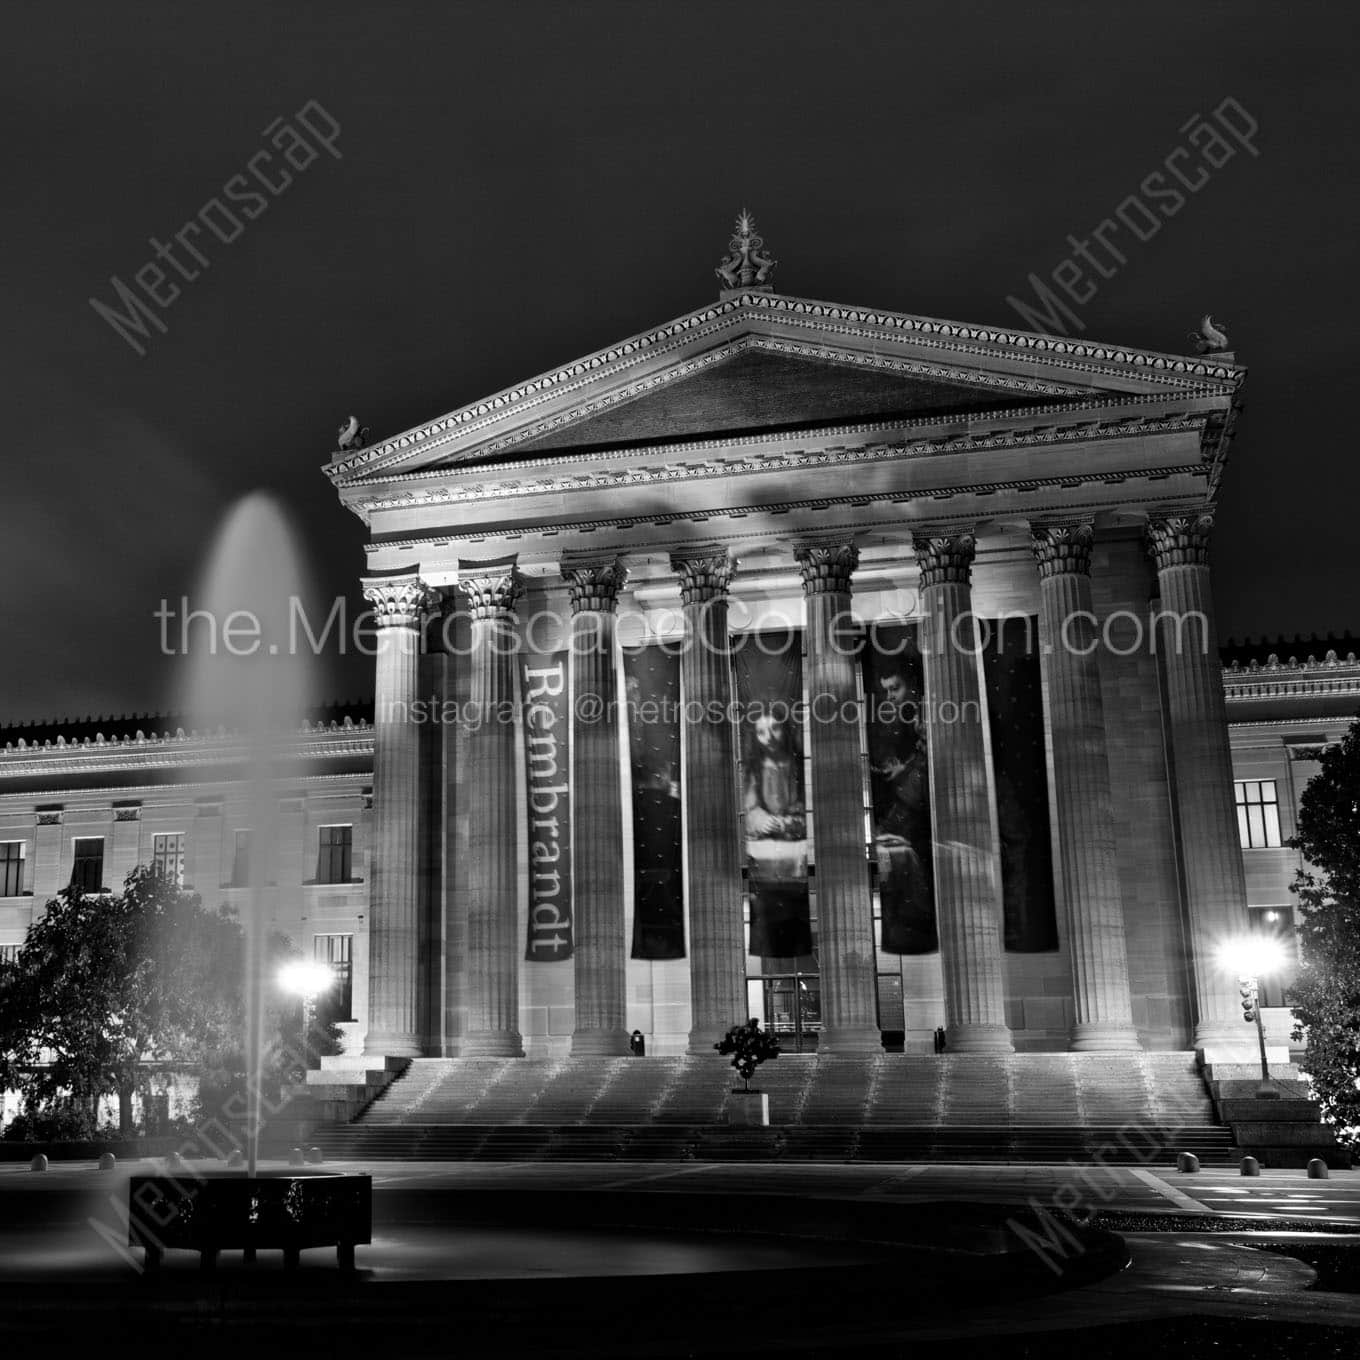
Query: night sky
[[520, 184]]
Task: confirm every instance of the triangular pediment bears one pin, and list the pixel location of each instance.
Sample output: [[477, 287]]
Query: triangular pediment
[[764, 362]]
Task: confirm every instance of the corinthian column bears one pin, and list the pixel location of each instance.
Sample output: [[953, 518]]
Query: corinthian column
[[1081, 775], [493, 819], [1215, 886], [713, 852], [596, 814], [394, 867], [967, 856], [845, 913]]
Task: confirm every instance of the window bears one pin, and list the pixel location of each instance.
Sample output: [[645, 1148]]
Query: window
[[87, 872], [240, 864], [167, 854], [1258, 813], [11, 868], [9, 953], [338, 951], [333, 854], [1276, 923]]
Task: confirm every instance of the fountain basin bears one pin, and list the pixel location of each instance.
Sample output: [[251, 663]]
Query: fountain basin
[[215, 1211]]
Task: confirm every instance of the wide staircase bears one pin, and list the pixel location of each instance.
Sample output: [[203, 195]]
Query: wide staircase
[[1132, 1109]]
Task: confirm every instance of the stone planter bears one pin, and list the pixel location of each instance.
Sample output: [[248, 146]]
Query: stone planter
[[750, 1108], [213, 1211]]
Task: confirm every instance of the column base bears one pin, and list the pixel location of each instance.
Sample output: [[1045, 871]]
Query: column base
[[599, 1043], [1094, 1038], [836, 1039], [978, 1039], [492, 1043], [392, 1044]]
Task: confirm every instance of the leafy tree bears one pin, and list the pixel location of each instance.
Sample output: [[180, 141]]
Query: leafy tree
[[1326, 996], [109, 986], [749, 1046]]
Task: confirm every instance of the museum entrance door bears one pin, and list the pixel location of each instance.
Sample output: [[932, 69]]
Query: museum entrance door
[[791, 1009]]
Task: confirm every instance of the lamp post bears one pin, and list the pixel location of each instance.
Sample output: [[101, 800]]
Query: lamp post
[[306, 978], [1251, 958]]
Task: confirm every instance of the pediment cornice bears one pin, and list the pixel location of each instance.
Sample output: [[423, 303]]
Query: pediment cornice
[[1024, 363]]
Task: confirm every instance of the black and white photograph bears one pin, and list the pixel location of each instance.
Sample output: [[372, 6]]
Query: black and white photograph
[[680, 679]]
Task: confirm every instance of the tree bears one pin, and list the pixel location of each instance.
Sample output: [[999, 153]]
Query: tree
[[109, 986], [1326, 996], [749, 1046]]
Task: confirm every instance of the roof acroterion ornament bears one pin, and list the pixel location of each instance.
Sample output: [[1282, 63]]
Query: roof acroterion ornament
[[746, 266], [1210, 337]]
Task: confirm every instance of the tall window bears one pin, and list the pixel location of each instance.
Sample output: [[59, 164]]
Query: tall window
[[338, 951], [1258, 813], [11, 868], [240, 864], [1277, 924], [167, 854], [9, 953], [87, 871], [334, 847]]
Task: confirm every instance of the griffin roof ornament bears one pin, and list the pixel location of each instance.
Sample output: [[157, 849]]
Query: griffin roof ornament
[[1209, 338], [352, 435], [746, 265]]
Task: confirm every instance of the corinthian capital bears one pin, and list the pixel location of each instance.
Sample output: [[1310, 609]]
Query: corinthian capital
[[1062, 549], [1180, 540], [398, 601], [491, 590], [944, 559], [703, 578], [827, 568], [595, 589]]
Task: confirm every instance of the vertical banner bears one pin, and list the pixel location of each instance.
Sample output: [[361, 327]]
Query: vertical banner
[[769, 685], [652, 684], [1015, 709], [899, 785], [547, 762]]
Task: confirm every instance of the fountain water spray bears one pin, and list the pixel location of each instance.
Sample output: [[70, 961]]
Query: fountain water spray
[[244, 675]]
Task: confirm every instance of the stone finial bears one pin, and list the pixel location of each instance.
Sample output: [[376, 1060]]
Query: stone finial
[[1062, 549], [827, 568], [703, 578], [746, 265], [1180, 540], [1210, 338], [944, 559], [398, 601], [595, 588]]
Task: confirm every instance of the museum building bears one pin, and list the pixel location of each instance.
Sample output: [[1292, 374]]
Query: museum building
[[851, 669]]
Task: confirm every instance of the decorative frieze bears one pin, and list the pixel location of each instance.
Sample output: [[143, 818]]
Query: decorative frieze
[[52, 817], [1062, 549], [703, 578], [945, 559], [398, 601], [595, 589], [127, 814], [827, 569], [1180, 540]]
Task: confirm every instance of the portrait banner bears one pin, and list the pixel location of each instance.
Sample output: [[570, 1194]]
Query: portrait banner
[[769, 687], [899, 787], [547, 762], [652, 683], [1015, 713]]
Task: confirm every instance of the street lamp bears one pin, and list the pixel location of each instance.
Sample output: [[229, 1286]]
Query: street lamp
[[306, 978], [1252, 957]]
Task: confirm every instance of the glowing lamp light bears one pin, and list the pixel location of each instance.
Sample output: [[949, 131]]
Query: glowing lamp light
[[1253, 956], [306, 978]]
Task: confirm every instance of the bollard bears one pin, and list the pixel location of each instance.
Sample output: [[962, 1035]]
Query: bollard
[[1250, 1166], [107, 1161], [236, 1158], [1317, 1170], [1187, 1162], [39, 1162], [315, 1156], [295, 1157]]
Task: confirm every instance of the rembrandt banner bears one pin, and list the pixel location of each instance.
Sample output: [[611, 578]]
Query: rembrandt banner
[[899, 785], [547, 728], [769, 684], [1010, 667], [652, 681]]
